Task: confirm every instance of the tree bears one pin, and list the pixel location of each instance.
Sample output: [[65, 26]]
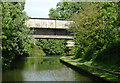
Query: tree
[[65, 9], [15, 34], [96, 29]]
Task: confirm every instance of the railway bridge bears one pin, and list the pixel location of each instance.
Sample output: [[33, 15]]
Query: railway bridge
[[47, 28]]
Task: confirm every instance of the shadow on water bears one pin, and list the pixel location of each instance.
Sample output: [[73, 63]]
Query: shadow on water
[[30, 65], [15, 71]]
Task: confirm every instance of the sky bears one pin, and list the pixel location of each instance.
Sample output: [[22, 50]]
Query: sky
[[39, 8]]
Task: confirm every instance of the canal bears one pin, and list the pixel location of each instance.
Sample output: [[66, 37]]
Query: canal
[[42, 69]]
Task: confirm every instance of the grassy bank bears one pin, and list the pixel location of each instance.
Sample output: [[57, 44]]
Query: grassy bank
[[92, 69]]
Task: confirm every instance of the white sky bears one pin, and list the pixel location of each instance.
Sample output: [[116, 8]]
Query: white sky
[[39, 8]]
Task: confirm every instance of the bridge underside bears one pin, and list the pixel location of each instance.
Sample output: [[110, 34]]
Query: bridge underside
[[42, 33]]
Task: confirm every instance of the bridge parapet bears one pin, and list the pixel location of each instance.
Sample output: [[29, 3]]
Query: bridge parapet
[[48, 23]]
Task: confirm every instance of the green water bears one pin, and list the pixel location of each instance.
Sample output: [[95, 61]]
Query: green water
[[42, 69]]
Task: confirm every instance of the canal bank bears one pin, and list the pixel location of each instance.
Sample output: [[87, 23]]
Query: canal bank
[[95, 73]]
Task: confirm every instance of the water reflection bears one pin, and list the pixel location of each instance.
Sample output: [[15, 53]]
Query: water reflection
[[42, 69]]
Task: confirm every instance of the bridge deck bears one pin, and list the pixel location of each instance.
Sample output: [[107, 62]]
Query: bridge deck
[[53, 37]]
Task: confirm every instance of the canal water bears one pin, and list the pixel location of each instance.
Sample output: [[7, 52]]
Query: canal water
[[42, 69]]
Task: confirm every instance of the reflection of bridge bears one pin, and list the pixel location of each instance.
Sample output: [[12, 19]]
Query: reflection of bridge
[[49, 28]]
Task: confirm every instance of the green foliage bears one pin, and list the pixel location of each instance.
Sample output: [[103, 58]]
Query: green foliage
[[65, 9], [35, 51], [15, 39], [85, 29], [52, 46], [95, 28]]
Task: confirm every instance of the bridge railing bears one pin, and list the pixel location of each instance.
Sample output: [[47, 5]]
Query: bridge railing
[[48, 23]]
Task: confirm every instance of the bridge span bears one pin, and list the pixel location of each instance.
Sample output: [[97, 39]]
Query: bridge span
[[47, 28]]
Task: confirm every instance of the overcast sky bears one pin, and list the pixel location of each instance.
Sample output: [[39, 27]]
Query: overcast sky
[[39, 8]]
